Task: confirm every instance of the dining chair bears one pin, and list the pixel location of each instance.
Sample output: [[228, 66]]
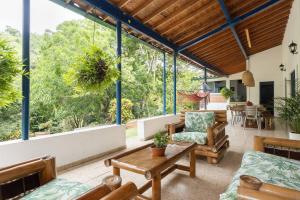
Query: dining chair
[[252, 113], [236, 115]]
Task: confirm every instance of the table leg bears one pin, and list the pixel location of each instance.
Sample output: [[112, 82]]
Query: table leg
[[156, 187], [192, 164], [116, 171]]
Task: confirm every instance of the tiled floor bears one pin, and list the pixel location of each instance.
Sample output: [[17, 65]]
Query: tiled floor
[[210, 181]]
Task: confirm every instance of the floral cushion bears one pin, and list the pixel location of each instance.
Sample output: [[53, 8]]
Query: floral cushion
[[58, 189], [198, 121], [198, 137], [269, 169]]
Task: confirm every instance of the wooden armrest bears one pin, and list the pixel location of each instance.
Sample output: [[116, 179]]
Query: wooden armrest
[[172, 127], [95, 193], [45, 166], [214, 133], [219, 127], [125, 192], [260, 142], [252, 188]]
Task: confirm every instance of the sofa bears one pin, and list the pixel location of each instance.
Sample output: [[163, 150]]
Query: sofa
[[273, 165], [36, 179], [204, 127]]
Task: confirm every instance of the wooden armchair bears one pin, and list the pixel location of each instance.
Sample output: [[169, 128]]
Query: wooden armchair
[[18, 179], [217, 140], [253, 188], [21, 179]]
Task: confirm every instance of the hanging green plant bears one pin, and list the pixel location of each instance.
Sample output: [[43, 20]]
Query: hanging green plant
[[93, 71], [10, 68]]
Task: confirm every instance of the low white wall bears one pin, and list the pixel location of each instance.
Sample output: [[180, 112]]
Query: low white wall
[[68, 147], [148, 127]]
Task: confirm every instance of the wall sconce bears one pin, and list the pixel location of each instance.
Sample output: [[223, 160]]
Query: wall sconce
[[282, 67], [293, 48]]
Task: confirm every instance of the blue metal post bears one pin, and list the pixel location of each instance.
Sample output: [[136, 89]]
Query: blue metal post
[[164, 84], [205, 82], [174, 81], [118, 85], [26, 69]]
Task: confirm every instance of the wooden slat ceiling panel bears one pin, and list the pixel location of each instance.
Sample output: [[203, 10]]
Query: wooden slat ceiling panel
[[220, 52], [184, 20], [266, 29]]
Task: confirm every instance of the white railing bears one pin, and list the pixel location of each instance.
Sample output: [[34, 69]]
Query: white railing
[[69, 148]]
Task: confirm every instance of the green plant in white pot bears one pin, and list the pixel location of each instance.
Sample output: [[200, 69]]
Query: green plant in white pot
[[289, 110], [226, 93]]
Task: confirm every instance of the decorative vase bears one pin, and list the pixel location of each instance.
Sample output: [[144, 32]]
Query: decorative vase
[[158, 151], [294, 136]]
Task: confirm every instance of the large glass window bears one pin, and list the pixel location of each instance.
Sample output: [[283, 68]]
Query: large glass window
[[239, 89]]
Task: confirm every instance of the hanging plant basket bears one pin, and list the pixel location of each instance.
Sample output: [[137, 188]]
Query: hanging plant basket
[[93, 71]]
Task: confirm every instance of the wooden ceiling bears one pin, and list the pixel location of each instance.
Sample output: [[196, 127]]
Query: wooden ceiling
[[181, 21]]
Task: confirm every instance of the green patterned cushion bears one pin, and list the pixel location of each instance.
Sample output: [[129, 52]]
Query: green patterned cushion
[[198, 137], [269, 169], [58, 189], [198, 121]]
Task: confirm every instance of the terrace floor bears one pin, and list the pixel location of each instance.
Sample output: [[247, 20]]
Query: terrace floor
[[210, 181]]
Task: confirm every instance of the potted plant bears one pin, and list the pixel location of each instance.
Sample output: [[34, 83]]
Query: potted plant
[[93, 71], [10, 68], [160, 144], [289, 110], [226, 93], [295, 127]]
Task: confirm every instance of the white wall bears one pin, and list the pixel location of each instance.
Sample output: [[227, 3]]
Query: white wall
[[148, 127], [67, 147], [265, 67], [292, 33]]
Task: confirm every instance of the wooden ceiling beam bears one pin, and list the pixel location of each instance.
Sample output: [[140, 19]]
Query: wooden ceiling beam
[[274, 11], [194, 31], [266, 23], [140, 8], [174, 14], [159, 10], [203, 9], [219, 53], [265, 47], [214, 42], [264, 32], [121, 4]]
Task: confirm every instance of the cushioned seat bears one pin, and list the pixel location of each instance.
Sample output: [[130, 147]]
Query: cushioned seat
[[58, 189], [196, 124], [269, 169], [198, 137]]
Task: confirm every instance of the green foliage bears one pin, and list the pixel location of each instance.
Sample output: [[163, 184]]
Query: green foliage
[[93, 71], [126, 110], [226, 93], [10, 136], [288, 109], [9, 70], [57, 106], [161, 140]]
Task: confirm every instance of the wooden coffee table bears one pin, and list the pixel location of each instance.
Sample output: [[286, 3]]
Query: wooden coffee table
[[141, 161]]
